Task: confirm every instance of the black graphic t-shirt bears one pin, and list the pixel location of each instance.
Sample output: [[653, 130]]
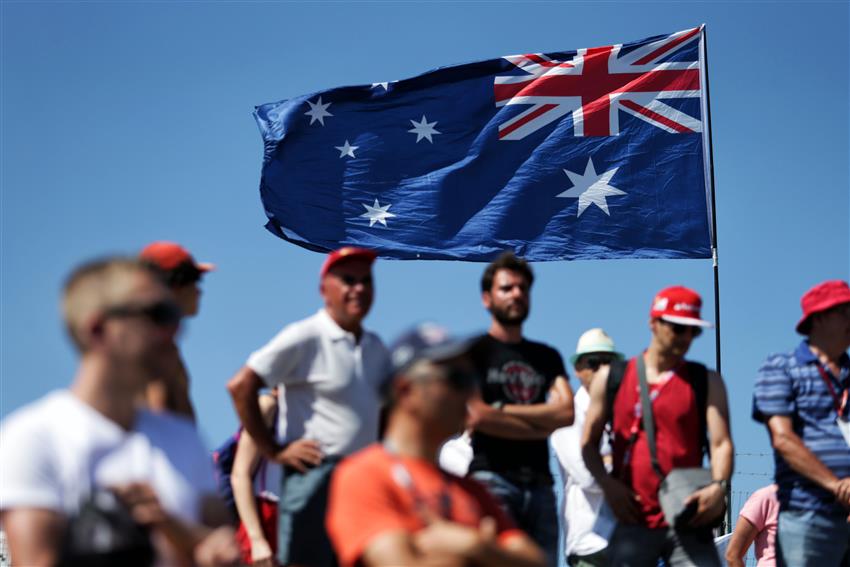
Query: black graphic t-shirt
[[519, 373]]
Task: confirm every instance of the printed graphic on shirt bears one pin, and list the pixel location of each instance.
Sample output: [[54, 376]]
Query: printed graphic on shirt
[[521, 384]]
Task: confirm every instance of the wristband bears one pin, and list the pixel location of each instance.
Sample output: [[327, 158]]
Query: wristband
[[724, 484]]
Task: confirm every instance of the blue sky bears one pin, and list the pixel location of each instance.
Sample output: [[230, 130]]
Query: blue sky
[[128, 122]]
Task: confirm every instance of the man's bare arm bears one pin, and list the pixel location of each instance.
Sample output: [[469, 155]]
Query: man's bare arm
[[556, 412], [34, 535], [244, 388], [800, 458], [742, 538], [498, 423], [620, 498]]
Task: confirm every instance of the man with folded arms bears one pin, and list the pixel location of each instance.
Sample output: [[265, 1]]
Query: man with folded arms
[[689, 407], [801, 396]]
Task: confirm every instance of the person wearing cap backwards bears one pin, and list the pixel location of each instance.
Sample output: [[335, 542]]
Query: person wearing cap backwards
[[588, 522], [331, 369], [801, 396], [523, 396], [390, 504], [182, 274], [689, 410]]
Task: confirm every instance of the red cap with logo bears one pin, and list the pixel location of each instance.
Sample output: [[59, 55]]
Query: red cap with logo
[[823, 296], [679, 305], [169, 255], [347, 253]]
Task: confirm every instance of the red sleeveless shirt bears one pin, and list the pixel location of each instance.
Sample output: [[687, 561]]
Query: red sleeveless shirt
[[677, 433]]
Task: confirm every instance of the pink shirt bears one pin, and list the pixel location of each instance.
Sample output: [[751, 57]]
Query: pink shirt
[[762, 511]]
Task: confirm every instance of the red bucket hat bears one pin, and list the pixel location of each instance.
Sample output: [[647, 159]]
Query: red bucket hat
[[169, 255], [679, 305], [347, 253], [823, 296]]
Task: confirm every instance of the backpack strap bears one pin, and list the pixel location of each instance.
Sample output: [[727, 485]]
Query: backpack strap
[[615, 377], [698, 378]]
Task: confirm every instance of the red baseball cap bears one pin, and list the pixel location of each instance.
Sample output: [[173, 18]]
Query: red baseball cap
[[679, 305], [347, 253], [823, 296], [169, 255]]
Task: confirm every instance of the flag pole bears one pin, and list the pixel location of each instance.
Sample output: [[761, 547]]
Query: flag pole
[[727, 524]]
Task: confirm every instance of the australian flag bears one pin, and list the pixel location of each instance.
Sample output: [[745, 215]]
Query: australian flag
[[595, 153]]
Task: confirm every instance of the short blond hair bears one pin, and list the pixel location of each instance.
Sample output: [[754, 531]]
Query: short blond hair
[[94, 287]]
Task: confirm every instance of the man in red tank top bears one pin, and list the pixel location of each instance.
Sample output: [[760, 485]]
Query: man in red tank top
[[643, 536]]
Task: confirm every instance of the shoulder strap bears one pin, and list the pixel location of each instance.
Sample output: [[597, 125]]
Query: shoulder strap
[[615, 378], [646, 412], [698, 377]]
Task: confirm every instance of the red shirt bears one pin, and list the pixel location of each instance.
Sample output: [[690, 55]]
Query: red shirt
[[374, 492], [677, 432]]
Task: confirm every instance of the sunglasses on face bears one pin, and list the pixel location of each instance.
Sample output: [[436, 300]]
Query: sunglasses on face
[[161, 314], [683, 329], [594, 361], [352, 281]]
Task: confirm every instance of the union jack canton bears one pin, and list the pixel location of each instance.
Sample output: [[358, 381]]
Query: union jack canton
[[595, 153]]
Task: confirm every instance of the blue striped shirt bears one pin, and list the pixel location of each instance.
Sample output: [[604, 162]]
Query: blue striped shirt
[[790, 384]]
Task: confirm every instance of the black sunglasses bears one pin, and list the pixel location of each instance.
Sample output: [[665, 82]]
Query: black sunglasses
[[679, 329], [162, 313], [594, 361], [352, 281]]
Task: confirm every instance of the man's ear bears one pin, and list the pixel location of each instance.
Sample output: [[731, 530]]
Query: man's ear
[[486, 299], [93, 330]]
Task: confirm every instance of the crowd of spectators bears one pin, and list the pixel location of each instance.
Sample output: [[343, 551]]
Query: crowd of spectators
[[432, 451]]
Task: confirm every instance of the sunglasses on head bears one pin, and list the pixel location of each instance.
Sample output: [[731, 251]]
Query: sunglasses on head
[[594, 361], [679, 329], [161, 313]]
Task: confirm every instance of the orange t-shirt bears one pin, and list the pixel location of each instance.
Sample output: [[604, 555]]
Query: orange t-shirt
[[374, 492]]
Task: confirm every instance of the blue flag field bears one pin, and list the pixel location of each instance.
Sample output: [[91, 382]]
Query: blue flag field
[[588, 154]]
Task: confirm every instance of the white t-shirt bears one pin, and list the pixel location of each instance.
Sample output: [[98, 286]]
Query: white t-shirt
[[589, 522], [55, 450], [331, 382]]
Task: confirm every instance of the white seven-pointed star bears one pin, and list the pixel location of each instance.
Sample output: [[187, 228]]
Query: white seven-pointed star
[[346, 149], [318, 111], [591, 189], [423, 129], [385, 84], [377, 213]]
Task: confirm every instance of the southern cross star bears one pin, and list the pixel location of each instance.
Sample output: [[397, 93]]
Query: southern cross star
[[318, 111], [377, 213], [385, 84], [346, 149], [423, 129], [591, 188]]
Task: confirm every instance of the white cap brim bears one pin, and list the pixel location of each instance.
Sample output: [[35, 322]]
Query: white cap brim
[[690, 321]]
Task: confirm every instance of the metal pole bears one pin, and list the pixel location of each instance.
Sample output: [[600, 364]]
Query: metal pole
[[727, 524]]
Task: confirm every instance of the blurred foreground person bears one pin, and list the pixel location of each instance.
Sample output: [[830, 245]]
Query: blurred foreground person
[[757, 523], [182, 274], [331, 369], [86, 477], [587, 520], [390, 504], [801, 396], [255, 483], [665, 502]]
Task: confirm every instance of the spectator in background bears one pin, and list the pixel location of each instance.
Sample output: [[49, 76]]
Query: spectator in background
[[801, 396], [74, 451], [256, 492], [757, 523], [523, 396], [391, 505], [587, 520], [331, 369], [182, 274], [689, 411]]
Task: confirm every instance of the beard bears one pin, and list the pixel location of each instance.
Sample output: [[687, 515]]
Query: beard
[[511, 316]]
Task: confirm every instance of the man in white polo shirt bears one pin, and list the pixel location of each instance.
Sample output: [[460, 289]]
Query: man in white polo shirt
[[331, 369]]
